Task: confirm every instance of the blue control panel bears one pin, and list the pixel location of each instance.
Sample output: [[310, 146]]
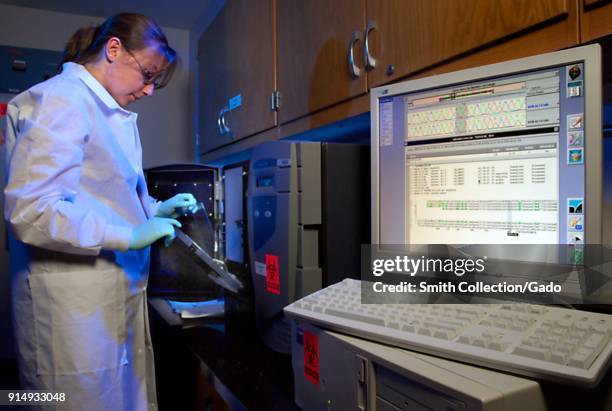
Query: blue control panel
[[21, 68]]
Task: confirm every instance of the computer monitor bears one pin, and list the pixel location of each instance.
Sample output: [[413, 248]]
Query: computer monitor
[[509, 153]]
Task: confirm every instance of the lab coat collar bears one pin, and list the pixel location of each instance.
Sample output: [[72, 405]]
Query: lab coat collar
[[81, 72]]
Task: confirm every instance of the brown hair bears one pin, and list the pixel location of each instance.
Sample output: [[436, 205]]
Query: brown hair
[[135, 31]]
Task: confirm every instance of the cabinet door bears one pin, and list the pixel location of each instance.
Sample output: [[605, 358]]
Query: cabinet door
[[237, 72], [412, 35], [595, 17], [313, 53]]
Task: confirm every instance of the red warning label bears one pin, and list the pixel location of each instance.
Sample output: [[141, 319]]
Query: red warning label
[[3, 107], [311, 357], [272, 274]]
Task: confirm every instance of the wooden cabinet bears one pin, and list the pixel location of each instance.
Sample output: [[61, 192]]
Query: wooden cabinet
[[389, 40], [413, 35], [314, 37], [237, 73], [595, 18], [402, 38]]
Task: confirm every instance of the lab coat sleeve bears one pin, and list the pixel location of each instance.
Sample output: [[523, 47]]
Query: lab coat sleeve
[[154, 205], [46, 140]]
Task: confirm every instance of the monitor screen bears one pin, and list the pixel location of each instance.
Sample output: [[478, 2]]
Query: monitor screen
[[503, 154]]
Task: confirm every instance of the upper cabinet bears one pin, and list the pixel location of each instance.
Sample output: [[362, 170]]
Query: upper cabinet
[[595, 18], [405, 36], [237, 73], [320, 58], [331, 51]]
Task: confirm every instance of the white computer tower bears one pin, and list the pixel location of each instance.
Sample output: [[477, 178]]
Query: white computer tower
[[333, 371]]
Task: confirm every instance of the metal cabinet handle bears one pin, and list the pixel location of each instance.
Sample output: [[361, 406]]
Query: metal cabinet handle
[[353, 69], [221, 122], [224, 121], [370, 62]]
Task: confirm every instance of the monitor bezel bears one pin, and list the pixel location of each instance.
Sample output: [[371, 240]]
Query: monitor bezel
[[590, 55]]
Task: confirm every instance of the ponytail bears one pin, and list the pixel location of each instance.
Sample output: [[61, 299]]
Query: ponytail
[[78, 45]]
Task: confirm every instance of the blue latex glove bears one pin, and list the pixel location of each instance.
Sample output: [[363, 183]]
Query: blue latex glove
[[151, 231], [177, 206]]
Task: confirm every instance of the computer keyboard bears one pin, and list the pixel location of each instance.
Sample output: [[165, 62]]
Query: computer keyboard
[[548, 342]]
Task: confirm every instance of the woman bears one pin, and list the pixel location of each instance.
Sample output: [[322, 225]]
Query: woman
[[82, 219]]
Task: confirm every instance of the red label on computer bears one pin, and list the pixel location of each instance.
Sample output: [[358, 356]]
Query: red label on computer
[[311, 357], [272, 274], [3, 109]]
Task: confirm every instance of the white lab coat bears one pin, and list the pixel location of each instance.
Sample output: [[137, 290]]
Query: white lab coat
[[74, 193]]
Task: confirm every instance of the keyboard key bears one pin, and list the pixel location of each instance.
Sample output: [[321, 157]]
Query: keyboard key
[[571, 341], [465, 339], [531, 352], [581, 358], [595, 341], [565, 349], [498, 345], [443, 334], [479, 342], [351, 315], [533, 309], [582, 325], [424, 331], [601, 328], [559, 357]]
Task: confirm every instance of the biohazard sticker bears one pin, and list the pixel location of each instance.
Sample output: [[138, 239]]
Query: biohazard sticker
[[311, 357], [272, 274]]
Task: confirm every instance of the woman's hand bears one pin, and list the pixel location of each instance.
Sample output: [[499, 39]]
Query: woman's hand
[[151, 231], [177, 206]]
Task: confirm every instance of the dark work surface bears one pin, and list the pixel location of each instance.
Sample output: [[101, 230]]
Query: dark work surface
[[232, 351]]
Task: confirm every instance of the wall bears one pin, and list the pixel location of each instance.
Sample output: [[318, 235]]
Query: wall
[[164, 120]]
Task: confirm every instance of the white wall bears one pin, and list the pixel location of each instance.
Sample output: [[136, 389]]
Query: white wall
[[164, 120]]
